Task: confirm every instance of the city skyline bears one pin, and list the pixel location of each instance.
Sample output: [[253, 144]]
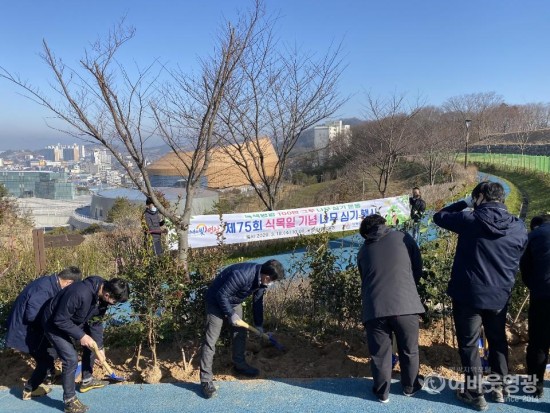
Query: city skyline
[[432, 49]]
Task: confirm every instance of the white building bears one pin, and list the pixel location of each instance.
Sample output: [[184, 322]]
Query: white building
[[326, 134], [323, 135]]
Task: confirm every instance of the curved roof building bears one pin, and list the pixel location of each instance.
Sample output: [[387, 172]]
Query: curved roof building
[[223, 171]]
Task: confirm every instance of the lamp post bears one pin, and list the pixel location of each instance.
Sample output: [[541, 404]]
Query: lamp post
[[467, 122]]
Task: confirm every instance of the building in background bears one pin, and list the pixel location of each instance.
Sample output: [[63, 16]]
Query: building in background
[[325, 135], [222, 172], [71, 153], [103, 200], [39, 184]]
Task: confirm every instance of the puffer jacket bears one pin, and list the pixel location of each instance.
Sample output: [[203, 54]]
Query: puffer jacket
[[233, 285]]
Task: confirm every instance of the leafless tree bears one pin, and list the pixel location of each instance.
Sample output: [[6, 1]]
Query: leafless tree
[[437, 143], [529, 118], [101, 102], [479, 108], [385, 137], [278, 94]]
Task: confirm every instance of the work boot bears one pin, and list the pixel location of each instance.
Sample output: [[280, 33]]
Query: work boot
[[92, 383], [477, 402], [208, 389], [73, 405], [247, 370], [40, 391]]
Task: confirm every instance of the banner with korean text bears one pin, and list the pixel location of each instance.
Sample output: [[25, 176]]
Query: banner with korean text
[[205, 230]]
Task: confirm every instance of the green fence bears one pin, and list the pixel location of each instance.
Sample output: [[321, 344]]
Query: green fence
[[513, 161]]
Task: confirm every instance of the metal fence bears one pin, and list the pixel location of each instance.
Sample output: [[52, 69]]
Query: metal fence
[[514, 161]]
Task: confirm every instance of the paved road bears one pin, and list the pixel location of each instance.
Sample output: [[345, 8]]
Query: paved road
[[274, 396]]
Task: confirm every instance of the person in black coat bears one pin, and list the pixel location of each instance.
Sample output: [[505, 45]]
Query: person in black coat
[[390, 266], [155, 225], [76, 314], [490, 244], [535, 272], [418, 207], [223, 302], [25, 331]]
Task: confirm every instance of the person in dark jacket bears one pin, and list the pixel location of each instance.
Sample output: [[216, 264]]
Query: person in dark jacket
[[390, 265], [418, 207], [535, 272], [223, 302], [154, 225], [25, 331], [75, 314], [490, 244]]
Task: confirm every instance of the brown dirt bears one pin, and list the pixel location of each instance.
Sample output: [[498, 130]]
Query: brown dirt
[[302, 358]]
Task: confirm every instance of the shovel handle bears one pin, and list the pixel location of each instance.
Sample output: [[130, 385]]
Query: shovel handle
[[98, 354], [244, 324]]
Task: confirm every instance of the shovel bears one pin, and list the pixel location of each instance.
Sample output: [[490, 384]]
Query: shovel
[[268, 337], [110, 373]]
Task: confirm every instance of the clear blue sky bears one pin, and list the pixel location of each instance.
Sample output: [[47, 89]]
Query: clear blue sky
[[433, 48]]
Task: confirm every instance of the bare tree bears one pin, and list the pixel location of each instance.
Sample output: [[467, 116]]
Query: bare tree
[[479, 108], [100, 102], [278, 94], [529, 118], [385, 137], [436, 147]]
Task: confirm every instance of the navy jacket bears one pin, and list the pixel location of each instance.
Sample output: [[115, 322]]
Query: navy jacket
[[75, 308], [535, 263], [390, 266], [24, 327], [490, 244], [231, 287]]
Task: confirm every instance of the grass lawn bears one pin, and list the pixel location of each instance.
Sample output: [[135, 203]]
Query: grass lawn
[[535, 185]]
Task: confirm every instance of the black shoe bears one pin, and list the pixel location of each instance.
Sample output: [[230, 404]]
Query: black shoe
[[418, 384], [208, 389], [384, 399], [74, 405], [539, 393], [247, 370], [477, 402]]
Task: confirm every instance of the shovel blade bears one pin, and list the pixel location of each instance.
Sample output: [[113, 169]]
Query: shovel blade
[[114, 377]]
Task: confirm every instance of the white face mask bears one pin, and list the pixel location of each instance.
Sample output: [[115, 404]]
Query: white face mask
[[153, 209]]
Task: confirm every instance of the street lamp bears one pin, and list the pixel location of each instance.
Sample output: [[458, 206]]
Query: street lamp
[[467, 121]]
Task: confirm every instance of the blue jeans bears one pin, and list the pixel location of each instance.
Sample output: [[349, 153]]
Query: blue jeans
[[64, 347]]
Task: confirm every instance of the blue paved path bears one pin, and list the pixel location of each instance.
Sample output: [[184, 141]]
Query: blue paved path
[[320, 395]]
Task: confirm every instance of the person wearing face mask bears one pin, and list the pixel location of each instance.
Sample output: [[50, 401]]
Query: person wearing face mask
[[490, 244], [25, 331], [76, 314], [154, 225], [223, 303], [418, 207]]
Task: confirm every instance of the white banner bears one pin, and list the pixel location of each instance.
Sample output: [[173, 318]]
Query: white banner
[[257, 226]]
